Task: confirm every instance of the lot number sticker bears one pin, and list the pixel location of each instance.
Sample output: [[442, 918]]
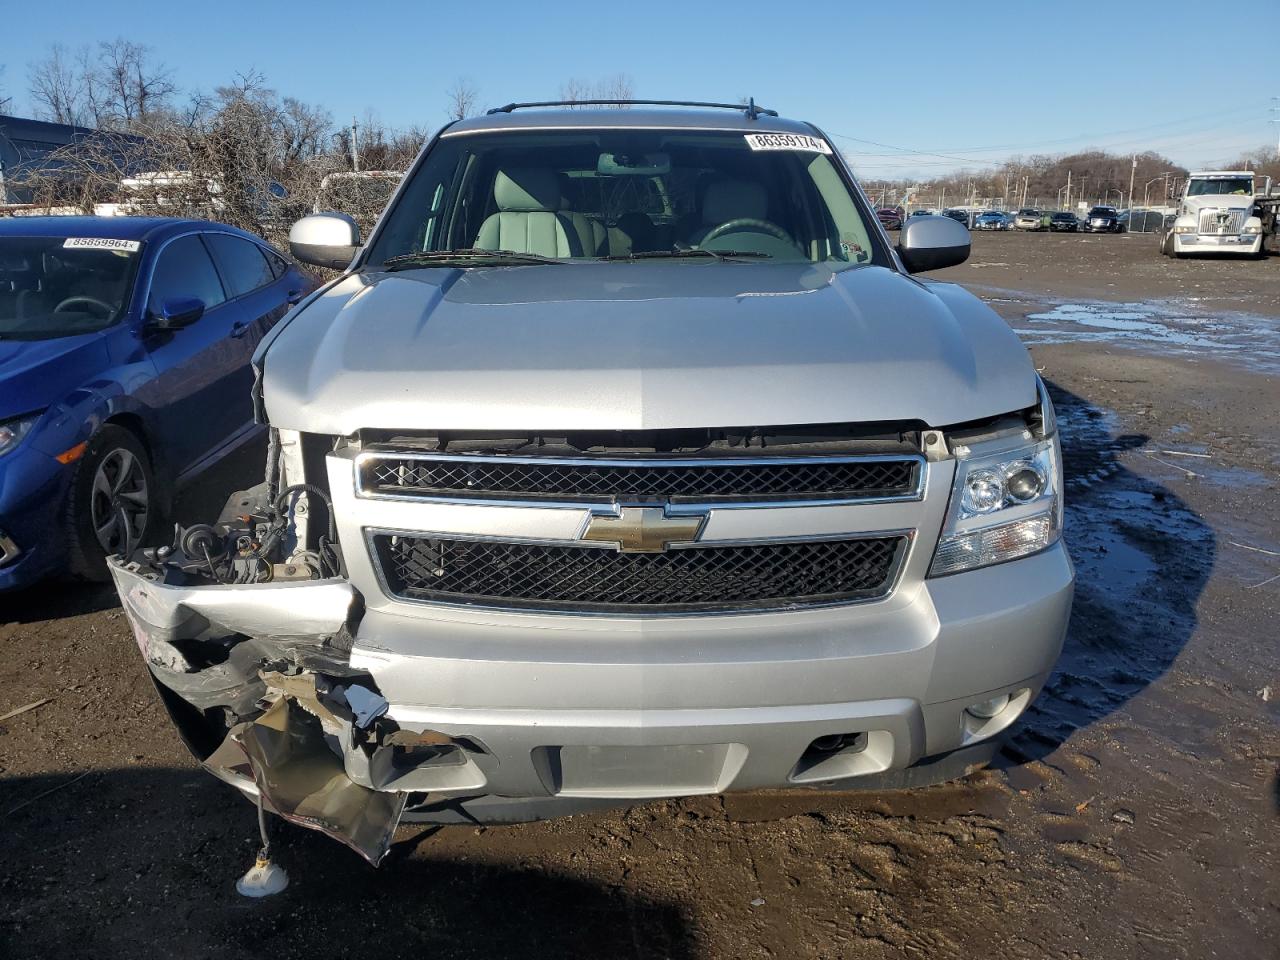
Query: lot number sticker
[[101, 243], [787, 141]]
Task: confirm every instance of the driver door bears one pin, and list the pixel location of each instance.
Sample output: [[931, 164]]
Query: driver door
[[196, 366]]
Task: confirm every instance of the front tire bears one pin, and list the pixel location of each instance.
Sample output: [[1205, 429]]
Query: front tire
[[111, 507]]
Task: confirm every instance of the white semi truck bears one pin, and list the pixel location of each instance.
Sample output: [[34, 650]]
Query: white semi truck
[[1222, 212]]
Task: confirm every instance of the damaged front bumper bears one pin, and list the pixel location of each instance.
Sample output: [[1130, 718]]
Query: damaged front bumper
[[282, 714]]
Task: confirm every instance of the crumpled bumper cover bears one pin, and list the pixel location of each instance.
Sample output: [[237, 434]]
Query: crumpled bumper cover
[[280, 714]]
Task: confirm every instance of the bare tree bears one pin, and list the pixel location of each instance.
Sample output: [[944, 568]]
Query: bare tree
[[617, 87], [135, 91], [115, 87], [462, 99], [56, 87], [4, 101], [573, 91]]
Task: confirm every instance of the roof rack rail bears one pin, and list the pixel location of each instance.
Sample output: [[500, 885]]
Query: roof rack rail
[[749, 108]]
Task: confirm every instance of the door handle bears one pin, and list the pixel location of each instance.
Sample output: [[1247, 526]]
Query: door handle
[[239, 329], [295, 297]]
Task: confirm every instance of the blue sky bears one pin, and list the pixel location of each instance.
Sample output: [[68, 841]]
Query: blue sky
[[915, 89]]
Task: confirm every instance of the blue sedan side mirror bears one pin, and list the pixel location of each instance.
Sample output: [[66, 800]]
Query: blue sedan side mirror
[[176, 313]]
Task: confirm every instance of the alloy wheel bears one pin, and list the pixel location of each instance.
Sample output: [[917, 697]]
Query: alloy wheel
[[119, 505]]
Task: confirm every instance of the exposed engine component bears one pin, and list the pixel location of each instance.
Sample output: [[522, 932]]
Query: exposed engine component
[[251, 542]]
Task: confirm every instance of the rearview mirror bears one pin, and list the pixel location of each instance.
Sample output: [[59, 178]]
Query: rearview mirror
[[176, 313], [325, 240], [931, 243]]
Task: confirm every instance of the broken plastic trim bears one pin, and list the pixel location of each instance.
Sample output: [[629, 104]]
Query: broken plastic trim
[[302, 780], [259, 676]]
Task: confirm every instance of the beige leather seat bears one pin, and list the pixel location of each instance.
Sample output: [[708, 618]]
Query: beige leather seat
[[529, 218]]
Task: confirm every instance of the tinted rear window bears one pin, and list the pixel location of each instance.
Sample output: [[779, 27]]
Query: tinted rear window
[[244, 266]]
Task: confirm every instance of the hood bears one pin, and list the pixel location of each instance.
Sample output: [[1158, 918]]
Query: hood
[[642, 345], [35, 374], [1222, 201]]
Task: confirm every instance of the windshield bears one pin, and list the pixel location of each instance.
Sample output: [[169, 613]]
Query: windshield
[[1237, 186], [589, 194], [1102, 212], [59, 286]]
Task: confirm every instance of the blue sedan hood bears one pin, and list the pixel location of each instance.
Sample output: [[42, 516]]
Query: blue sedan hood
[[35, 374]]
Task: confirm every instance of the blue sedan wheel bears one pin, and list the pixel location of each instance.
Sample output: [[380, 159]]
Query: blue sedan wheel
[[111, 507]]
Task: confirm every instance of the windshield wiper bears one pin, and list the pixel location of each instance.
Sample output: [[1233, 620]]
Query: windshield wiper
[[676, 253], [467, 257]]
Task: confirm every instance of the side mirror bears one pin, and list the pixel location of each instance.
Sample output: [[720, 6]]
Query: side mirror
[[931, 243], [325, 240], [176, 313]]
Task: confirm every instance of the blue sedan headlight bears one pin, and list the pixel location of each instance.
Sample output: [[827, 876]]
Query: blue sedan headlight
[[12, 431]]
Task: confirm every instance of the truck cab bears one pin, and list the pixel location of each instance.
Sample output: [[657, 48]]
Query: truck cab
[[1221, 212]]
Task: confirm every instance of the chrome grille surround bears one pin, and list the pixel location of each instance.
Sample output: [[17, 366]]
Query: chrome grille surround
[[585, 578], [719, 481], [1221, 220]]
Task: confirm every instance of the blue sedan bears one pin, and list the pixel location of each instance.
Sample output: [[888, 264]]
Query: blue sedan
[[124, 372]]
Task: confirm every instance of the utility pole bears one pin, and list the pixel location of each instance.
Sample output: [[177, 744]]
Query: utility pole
[[1132, 171], [1276, 121], [355, 149], [1067, 204]]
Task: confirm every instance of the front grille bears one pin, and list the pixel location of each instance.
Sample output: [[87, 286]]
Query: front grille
[[676, 479], [603, 580], [1221, 220]]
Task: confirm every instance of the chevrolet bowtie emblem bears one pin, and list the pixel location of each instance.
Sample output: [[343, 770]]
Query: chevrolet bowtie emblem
[[643, 529]]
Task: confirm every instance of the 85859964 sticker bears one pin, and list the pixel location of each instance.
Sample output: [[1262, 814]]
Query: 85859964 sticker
[[101, 243], [787, 141]]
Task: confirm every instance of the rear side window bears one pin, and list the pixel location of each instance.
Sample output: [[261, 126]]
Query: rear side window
[[184, 270], [279, 265], [244, 265]]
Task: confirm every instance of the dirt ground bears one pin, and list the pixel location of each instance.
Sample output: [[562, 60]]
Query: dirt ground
[[1133, 813]]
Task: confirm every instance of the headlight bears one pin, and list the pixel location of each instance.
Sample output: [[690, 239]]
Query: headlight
[[12, 431], [1005, 504], [1252, 228], [1184, 228]]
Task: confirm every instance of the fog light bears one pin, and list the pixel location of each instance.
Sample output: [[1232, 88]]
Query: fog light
[[988, 708]]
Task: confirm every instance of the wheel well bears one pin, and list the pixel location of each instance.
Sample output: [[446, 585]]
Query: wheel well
[[159, 465], [133, 423]]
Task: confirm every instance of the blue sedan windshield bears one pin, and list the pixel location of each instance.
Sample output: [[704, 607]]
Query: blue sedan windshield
[[59, 287]]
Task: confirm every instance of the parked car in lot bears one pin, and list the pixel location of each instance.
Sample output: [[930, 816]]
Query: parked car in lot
[[991, 220], [1103, 220], [124, 371], [1029, 218], [1064, 222], [890, 217], [674, 491], [959, 216]]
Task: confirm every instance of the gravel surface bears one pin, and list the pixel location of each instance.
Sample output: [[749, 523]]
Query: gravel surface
[[1133, 813]]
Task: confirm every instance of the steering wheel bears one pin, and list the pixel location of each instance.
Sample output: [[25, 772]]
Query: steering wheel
[[106, 308], [764, 226]]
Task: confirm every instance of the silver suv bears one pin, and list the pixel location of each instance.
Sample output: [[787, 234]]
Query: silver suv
[[626, 459]]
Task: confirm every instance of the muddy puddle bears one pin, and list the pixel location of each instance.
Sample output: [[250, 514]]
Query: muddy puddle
[[1142, 558], [1174, 326]]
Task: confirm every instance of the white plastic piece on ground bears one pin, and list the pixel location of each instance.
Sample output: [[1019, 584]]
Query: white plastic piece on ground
[[264, 879]]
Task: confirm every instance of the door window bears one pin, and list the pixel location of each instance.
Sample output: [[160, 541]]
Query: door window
[[184, 270], [244, 266]]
